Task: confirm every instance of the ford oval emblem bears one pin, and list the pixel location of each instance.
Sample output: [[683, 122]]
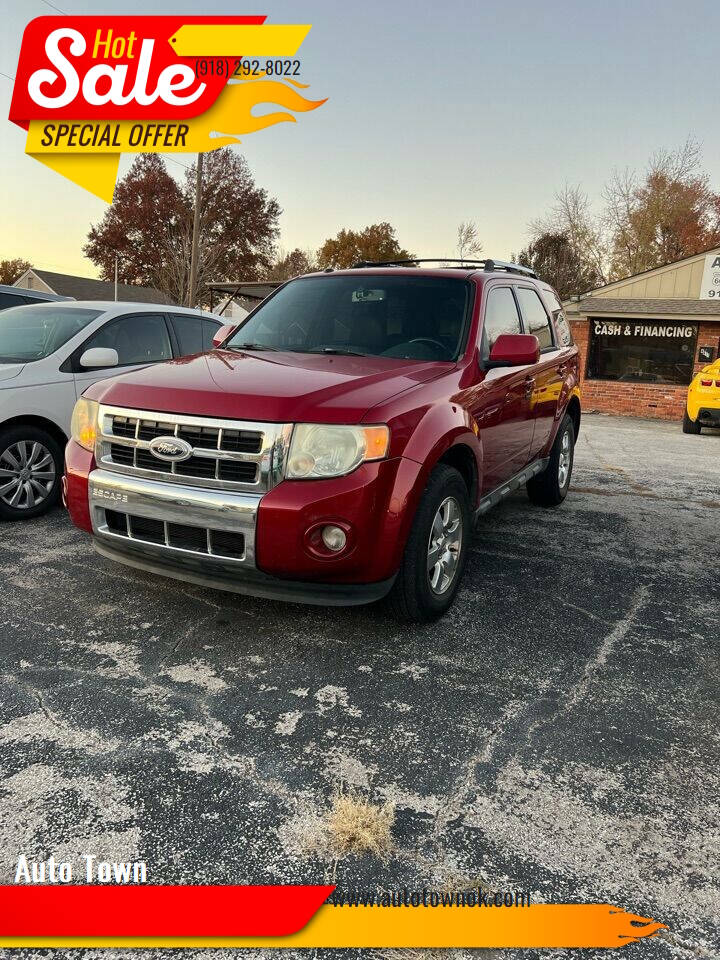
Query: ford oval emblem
[[172, 449]]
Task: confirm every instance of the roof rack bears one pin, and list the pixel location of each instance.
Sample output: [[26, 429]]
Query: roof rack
[[487, 265]]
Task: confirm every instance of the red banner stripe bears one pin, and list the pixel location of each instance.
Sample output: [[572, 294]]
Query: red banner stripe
[[155, 911]]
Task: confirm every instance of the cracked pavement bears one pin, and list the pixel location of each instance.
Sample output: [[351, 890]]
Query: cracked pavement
[[556, 732]]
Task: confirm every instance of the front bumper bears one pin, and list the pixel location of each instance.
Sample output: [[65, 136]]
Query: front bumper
[[135, 513], [251, 543], [253, 584]]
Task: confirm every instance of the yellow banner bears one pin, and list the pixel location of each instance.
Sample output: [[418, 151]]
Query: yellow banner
[[536, 926], [239, 40], [88, 152]]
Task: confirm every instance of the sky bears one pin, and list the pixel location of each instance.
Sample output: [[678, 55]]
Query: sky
[[437, 113]]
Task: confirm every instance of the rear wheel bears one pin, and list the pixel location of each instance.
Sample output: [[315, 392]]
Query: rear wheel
[[549, 488], [690, 426], [30, 470], [436, 551]]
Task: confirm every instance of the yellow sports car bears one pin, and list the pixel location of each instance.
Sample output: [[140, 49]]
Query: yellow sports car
[[703, 402]]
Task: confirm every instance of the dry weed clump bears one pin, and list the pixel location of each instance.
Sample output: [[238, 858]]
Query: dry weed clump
[[357, 826]]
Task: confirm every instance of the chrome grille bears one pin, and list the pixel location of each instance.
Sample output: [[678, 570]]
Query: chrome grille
[[226, 544], [226, 454]]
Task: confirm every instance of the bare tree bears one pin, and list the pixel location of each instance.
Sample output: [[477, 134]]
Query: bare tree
[[468, 244], [571, 216]]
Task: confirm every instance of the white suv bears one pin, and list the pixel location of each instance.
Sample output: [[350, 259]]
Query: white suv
[[49, 354]]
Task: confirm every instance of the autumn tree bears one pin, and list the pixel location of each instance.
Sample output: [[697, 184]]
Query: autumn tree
[[147, 209], [12, 270], [553, 258], [376, 242], [293, 264], [149, 226], [669, 213], [468, 243]]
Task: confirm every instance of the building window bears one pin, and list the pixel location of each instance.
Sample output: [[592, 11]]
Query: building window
[[641, 351]]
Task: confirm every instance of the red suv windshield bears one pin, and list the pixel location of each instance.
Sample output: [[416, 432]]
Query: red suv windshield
[[414, 317]]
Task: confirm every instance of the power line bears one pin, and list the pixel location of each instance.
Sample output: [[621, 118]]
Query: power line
[[47, 3], [173, 160], [53, 7]]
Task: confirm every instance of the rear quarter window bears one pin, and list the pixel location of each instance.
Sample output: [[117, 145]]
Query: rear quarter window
[[564, 334]]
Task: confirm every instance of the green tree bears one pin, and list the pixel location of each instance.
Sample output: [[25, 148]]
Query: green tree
[[554, 259], [293, 264], [376, 242], [11, 270]]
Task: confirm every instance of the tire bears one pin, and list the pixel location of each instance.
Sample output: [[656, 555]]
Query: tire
[[30, 488], [414, 598], [690, 426], [549, 488]]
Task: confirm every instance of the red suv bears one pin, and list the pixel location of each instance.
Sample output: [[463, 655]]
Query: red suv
[[339, 444]]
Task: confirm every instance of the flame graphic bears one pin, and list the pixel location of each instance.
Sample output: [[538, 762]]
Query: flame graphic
[[232, 113]]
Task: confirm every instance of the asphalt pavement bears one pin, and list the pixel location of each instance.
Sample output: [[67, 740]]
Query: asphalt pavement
[[556, 732]]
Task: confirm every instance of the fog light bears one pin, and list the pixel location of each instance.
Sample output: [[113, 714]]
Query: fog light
[[334, 538]]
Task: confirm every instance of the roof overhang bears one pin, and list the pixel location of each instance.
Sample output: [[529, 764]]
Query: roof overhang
[[250, 290]]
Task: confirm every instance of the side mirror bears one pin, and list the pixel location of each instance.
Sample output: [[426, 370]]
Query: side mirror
[[222, 333], [514, 350], [99, 357]]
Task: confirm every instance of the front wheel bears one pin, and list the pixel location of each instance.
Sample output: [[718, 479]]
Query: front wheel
[[436, 551], [31, 463], [549, 488], [690, 426]]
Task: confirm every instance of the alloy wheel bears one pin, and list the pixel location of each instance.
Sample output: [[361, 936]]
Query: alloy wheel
[[564, 460], [444, 545], [27, 474]]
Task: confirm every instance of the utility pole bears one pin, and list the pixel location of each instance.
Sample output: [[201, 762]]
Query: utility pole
[[192, 293], [116, 262]]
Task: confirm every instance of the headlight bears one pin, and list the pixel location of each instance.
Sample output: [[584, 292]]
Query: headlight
[[83, 426], [319, 450]]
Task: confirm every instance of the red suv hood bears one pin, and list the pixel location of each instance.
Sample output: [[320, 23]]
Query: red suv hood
[[279, 387]]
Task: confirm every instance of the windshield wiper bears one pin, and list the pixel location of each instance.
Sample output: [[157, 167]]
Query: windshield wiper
[[339, 350], [250, 346]]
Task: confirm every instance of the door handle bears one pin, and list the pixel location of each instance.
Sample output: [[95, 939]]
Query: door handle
[[529, 386]]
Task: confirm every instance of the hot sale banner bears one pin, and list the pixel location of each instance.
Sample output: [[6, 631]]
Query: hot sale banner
[[90, 88]]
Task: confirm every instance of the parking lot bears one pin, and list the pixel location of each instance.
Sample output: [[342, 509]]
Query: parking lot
[[556, 732]]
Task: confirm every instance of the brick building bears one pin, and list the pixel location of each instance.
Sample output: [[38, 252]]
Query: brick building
[[643, 339]]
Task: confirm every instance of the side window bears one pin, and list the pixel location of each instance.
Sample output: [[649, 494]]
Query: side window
[[209, 329], [139, 338], [536, 320], [501, 316], [561, 323], [188, 330], [13, 300]]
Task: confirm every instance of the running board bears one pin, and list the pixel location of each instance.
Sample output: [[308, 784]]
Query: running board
[[505, 489]]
